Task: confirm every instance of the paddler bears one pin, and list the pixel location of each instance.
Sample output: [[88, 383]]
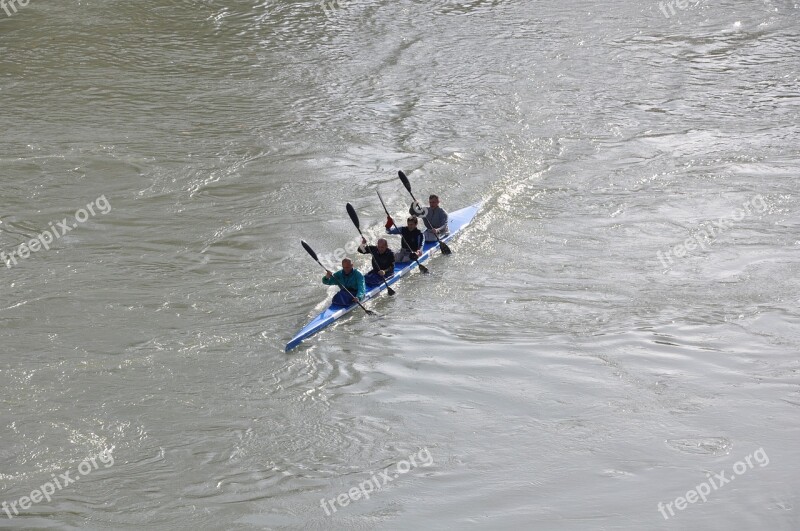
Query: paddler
[[382, 262], [411, 239], [434, 216], [351, 279]]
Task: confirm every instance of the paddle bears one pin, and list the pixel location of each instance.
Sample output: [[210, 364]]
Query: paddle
[[310, 251], [354, 217], [421, 267], [442, 245]]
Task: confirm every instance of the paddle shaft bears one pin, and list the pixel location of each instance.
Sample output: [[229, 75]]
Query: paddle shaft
[[310, 251], [354, 218], [445, 249], [421, 267], [344, 289]]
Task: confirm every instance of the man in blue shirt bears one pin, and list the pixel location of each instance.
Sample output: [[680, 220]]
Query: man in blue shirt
[[411, 239]]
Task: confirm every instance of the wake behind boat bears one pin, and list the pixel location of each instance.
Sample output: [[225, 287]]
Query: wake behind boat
[[457, 221]]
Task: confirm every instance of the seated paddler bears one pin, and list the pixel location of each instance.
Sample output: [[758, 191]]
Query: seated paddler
[[382, 262], [348, 278]]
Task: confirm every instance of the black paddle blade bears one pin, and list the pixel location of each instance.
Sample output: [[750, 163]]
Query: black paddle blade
[[445, 249], [309, 250], [423, 268], [353, 216], [390, 291], [404, 179]]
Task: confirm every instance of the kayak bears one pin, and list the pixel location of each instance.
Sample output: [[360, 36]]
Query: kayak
[[457, 221]]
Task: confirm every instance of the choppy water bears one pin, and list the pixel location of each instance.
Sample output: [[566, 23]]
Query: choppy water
[[586, 352]]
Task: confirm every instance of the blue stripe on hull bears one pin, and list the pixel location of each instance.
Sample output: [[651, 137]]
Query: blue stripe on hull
[[457, 221]]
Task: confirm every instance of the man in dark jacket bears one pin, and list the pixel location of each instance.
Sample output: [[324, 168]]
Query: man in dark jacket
[[435, 218], [382, 262], [411, 239]]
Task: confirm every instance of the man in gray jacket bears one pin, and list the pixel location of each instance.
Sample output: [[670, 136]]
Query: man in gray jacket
[[434, 216]]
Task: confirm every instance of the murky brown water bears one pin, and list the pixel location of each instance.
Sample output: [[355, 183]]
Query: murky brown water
[[560, 372]]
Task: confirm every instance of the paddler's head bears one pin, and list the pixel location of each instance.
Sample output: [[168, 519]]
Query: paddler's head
[[433, 201], [382, 245], [347, 266], [412, 222]]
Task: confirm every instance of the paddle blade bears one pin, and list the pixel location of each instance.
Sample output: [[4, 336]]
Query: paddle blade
[[404, 179], [423, 268], [445, 249], [309, 250], [353, 216], [390, 291]]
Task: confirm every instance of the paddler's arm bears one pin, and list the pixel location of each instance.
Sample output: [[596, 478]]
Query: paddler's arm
[[390, 269], [366, 249], [362, 288], [443, 225], [327, 280], [417, 210]]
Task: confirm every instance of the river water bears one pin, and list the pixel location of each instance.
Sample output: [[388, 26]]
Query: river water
[[618, 326]]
